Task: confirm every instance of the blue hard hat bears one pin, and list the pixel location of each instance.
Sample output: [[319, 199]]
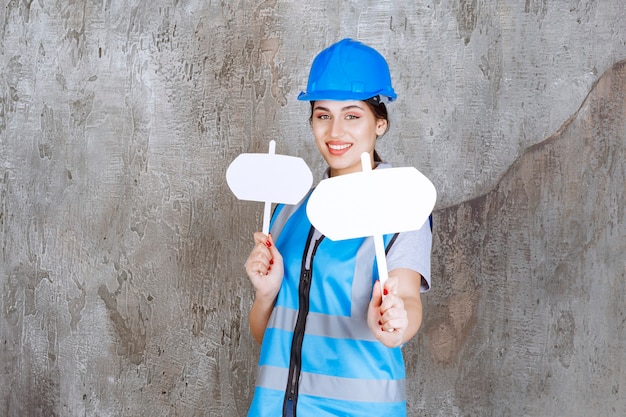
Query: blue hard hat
[[348, 70]]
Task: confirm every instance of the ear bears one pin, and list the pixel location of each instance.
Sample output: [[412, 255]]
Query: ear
[[381, 127]]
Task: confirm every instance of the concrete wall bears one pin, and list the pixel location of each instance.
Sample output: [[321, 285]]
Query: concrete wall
[[123, 291]]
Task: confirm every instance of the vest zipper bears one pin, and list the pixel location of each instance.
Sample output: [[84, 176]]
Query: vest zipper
[[295, 362]]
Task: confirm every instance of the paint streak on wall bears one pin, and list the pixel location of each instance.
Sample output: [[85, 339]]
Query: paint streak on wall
[[529, 289]]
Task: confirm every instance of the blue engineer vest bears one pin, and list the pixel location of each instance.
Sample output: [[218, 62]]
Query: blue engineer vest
[[319, 357]]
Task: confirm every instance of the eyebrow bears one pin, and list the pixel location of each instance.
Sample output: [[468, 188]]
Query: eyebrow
[[350, 107]]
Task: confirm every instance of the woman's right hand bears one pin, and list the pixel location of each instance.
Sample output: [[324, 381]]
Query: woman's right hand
[[265, 267]]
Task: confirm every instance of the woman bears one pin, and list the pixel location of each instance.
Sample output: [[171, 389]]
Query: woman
[[331, 343]]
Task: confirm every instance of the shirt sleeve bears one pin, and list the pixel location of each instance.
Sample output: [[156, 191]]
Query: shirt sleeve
[[411, 250]]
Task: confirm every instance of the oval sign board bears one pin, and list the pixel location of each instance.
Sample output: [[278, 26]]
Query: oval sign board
[[269, 177], [373, 202]]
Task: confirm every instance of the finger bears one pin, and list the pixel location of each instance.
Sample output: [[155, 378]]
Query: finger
[[397, 318], [273, 251], [261, 238], [390, 313], [255, 268], [388, 302], [387, 325], [260, 259], [394, 321], [379, 302], [391, 286], [393, 311], [377, 296], [263, 250]]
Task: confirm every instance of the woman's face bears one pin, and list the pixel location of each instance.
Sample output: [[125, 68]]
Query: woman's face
[[343, 130]]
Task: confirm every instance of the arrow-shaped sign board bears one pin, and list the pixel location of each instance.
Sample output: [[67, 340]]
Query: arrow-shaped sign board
[[372, 203], [269, 178]]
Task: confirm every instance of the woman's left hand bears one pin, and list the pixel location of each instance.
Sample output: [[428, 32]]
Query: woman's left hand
[[387, 317]]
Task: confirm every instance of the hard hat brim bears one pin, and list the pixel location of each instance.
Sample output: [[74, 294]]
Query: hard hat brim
[[345, 95]]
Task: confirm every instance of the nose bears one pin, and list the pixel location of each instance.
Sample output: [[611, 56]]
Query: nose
[[336, 129]]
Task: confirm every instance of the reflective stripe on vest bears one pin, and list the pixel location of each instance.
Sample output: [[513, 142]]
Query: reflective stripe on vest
[[348, 389], [317, 324]]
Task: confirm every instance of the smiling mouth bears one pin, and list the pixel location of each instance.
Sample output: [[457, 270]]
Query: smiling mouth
[[339, 147]]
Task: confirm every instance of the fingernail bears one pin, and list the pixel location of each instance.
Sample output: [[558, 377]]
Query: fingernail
[[269, 268], [271, 262], [385, 291], [380, 323], [382, 328], [268, 243], [381, 313]]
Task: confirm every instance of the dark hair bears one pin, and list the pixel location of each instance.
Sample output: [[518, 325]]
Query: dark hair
[[380, 112]]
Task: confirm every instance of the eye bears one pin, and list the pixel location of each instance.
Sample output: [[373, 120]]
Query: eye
[[351, 116], [322, 116]]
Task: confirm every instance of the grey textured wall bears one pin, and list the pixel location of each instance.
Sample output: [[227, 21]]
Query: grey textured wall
[[123, 291]]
